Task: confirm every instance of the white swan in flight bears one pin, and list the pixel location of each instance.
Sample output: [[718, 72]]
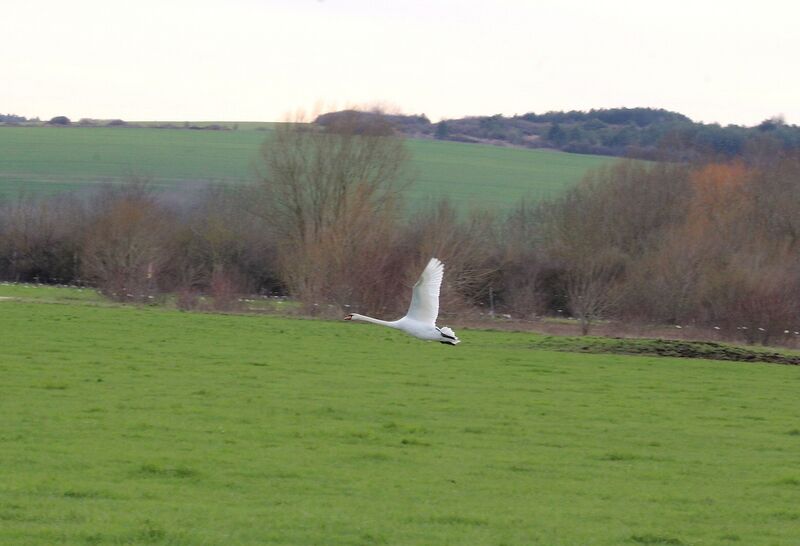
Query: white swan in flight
[[420, 321]]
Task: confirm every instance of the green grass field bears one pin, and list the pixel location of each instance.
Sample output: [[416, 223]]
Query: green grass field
[[125, 425], [47, 159]]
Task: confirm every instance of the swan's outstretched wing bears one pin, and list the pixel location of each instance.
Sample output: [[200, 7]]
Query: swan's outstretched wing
[[425, 297]]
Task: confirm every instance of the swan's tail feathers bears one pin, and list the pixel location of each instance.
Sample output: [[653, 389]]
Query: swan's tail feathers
[[449, 335]]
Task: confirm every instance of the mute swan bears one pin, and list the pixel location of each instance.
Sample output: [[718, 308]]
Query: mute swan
[[420, 321]]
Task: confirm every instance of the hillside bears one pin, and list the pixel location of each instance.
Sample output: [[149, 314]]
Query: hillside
[[646, 133], [47, 159]]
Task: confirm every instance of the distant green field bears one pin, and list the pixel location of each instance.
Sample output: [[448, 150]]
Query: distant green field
[[125, 425], [47, 159]]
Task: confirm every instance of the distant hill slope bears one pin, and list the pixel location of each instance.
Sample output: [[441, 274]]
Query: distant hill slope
[[646, 133], [46, 159]]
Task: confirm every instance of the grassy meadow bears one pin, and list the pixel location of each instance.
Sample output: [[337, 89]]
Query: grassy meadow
[[127, 425], [50, 159]]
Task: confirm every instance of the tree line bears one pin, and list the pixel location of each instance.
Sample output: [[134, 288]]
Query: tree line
[[712, 243], [644, 133], [12, 118]]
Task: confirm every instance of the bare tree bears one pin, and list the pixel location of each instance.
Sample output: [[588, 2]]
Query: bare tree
[[578, 235], [124, 250], [755, 295], [592, 288], [663, 285], [465, 242], [332, 198], [524, 270], [220, 250], [611, 220], [40, 238]]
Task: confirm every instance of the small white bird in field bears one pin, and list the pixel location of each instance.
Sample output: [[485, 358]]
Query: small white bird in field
[[420, 321]]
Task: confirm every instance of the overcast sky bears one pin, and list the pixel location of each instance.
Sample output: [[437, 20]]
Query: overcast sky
[[236, 60]]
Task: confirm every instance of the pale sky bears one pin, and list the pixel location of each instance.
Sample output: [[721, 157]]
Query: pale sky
[[259, 60]]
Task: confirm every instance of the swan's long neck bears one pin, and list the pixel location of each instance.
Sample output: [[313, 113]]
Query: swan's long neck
[[365, 318]]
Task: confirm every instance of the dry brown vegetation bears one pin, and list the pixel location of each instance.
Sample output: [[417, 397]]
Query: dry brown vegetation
[[712, 247], [332, 200]]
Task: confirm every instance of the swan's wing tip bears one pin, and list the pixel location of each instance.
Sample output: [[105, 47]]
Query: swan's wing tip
[[434, 268], [425, 295]]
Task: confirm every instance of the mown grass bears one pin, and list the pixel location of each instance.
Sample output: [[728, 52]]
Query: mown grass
[[125, 425], [50, 159]]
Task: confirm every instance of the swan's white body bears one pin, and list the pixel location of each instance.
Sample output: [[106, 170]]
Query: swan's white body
[[420, 321]]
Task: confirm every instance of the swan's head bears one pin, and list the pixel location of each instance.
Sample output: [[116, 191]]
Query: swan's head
[[348, 316]]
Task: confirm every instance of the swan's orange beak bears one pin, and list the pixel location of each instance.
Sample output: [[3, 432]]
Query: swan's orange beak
[[348, 317]]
